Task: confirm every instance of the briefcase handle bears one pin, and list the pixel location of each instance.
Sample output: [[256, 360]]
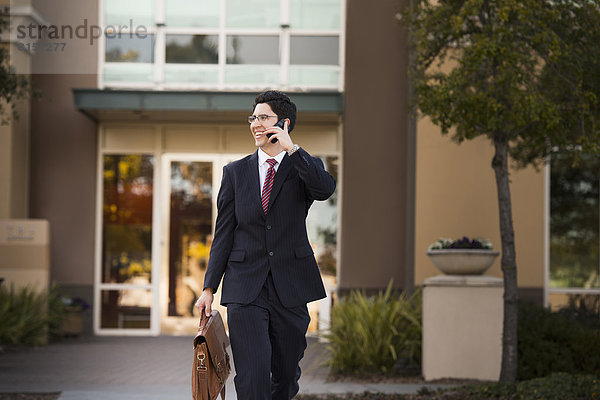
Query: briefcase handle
[[205, 321]]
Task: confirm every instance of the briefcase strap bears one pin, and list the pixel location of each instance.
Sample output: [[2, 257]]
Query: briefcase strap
[[201, 391], [200, 383]]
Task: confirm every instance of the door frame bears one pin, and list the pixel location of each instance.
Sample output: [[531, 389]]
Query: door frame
[[160, 229], [99, 286]]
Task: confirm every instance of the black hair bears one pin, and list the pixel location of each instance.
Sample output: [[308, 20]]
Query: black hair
[[281, 105]]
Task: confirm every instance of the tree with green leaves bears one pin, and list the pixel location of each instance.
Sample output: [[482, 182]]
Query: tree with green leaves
[[13, 87], [523, 73]]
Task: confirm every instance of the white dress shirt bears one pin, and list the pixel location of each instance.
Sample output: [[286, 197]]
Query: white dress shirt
[[263, 165]]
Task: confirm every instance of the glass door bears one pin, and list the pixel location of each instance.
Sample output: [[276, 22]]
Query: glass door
[[189, 212]]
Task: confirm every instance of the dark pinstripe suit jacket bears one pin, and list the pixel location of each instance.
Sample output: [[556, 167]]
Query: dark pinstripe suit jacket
[[248, 243]]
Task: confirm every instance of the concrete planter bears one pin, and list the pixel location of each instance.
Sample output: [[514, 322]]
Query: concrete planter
[[73, 323], [463, 261]]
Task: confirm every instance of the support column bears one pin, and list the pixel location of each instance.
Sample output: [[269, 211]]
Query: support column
[[462, 327]]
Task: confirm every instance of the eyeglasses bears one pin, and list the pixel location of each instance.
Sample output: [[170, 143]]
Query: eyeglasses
[[261, 118]]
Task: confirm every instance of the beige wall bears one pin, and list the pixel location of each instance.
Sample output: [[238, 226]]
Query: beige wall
[[63, 176], [24, 253], [14, 149], [6, 170], [63, 146], [214, 138], [79, 54], [18, 160], [456, 196]]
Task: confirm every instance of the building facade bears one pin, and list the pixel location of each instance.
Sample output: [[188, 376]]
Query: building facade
[[147, 102]]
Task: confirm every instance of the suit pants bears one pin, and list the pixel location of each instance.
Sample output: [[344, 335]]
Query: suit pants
[[268, 342]]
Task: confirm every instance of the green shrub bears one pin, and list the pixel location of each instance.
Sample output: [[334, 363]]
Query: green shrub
[[585, 309], [555, 342], [28, 317], [558, 386], [371, 334]]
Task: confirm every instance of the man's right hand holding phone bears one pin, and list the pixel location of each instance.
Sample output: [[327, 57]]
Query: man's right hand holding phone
[[280, 124], [284, 136]]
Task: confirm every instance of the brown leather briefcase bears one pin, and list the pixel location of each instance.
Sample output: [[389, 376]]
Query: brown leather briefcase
[[211, 361]]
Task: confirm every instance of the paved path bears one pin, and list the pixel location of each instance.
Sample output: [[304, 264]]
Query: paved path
[[149, 368]]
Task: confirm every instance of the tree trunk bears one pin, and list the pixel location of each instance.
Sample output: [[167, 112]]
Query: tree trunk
[[508, 372]]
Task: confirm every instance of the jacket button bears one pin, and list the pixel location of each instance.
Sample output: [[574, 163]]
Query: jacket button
[[268, 227], [271, 253]]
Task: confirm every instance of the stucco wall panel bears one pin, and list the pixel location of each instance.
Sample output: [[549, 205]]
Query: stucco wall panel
[[375, 192], [456, 196]]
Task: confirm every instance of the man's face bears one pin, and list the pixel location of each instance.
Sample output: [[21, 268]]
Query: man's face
[[257, 127]]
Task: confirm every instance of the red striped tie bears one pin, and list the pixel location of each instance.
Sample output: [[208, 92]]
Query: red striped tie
[[266, 193]]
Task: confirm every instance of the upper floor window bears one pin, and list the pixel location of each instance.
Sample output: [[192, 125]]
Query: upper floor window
[[192, 14], [223, 44]]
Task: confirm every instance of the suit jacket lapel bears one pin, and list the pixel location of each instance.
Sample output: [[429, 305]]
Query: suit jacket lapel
[[255, 182], [282, 173]]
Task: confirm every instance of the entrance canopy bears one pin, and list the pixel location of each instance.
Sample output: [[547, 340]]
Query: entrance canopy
[[182, 106]]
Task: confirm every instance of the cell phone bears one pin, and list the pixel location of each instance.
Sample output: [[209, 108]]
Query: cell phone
[[281, 124]]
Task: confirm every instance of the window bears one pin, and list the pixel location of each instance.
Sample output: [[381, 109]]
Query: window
[[194, 49], [574, 223], [192, 58], [313, 60], [315, 14], [129, 58], [252, 59], [253, 14], [119, 13], [574, 274], [314, 50], [192, 13], [252, 49], [223, 44]]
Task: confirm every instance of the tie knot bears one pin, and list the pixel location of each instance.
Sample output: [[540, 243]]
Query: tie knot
[[272, 161]]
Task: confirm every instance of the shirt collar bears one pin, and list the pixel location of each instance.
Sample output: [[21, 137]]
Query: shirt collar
[[262, 157]]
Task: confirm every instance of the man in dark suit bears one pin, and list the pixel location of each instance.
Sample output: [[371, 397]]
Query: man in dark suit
[[262, 253]]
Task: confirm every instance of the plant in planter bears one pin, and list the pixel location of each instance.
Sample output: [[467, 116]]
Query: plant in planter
[[73, 322], [462, 256], [75, 304]]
